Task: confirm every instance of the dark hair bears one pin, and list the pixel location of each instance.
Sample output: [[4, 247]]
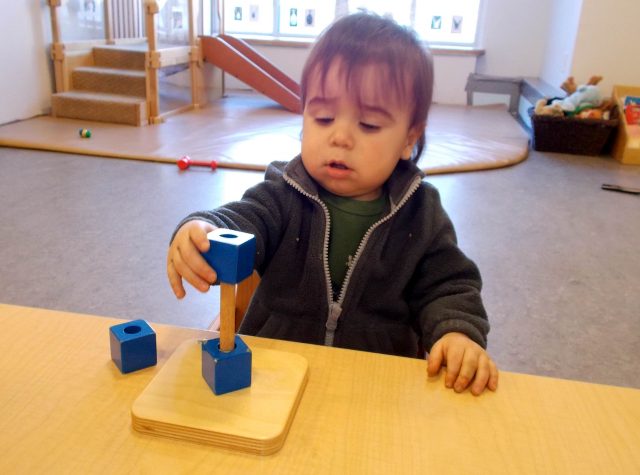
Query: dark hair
[[362, 39]]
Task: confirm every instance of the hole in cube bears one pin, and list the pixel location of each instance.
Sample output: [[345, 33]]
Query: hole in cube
[[228, 236], [221, 350], [130, 330]]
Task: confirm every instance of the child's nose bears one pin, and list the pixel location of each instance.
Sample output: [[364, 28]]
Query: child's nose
[[341, 136]]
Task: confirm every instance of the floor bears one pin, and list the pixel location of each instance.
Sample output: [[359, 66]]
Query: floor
[[249, 131], [559, 256]]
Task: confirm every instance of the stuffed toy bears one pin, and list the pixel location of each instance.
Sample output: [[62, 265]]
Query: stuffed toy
[[544, 108], [585, 96], [584, 101]]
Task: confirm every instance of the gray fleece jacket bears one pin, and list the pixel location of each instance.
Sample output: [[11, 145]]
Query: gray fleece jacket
[[409, 283]]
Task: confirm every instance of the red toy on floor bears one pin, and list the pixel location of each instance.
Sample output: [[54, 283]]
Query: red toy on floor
[[185, 162]]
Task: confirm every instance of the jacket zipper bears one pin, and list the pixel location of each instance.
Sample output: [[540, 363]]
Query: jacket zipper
[[365, 239], [335, 307]]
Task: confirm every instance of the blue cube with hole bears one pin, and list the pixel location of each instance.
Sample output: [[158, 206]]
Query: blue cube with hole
[[133, 346], [226, 371], [231, 254]]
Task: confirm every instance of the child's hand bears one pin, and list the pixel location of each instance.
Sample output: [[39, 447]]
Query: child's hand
[[466, 362], [185, 261]]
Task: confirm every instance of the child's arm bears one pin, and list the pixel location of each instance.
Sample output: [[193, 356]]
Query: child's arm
[[185, 261], [467, 364], [445, 295], [262, 211]]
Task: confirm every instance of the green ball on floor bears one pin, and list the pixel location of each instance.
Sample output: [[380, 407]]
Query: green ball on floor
[[85, 133]]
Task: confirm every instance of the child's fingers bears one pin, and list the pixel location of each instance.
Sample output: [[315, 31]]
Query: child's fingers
[[482, 375], [467, 370], [434, 362], [185, 261], [188, 266], [493, 376], [201, 268], [454, 362], [175, 280], [198, 235], [188, 260]]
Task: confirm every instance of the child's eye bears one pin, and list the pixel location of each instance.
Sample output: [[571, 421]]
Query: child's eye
[[369, 127], [324, 120]]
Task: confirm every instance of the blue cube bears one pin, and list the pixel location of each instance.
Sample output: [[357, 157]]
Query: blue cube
[[133, 346], [231, 254], [226, 371]]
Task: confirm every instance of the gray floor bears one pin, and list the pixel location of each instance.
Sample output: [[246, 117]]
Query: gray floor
[[560, 257]]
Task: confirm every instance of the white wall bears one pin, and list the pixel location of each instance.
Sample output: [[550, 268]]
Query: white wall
[[26, 81], [563, 30], [513, 33], [450, 78], [607, 43]]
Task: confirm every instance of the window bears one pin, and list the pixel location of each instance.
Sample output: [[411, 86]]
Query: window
[[304, 18], [452, 22], [447, 21], [441, 22], [249, 16]]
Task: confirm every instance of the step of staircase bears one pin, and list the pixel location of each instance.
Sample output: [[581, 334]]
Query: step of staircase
[[101, 107], [128, 82], [118, 57]]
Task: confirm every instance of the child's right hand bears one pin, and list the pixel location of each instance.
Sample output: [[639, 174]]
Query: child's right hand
[[185, 261]]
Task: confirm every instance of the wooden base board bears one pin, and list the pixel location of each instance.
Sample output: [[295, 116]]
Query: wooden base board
[[178, 403]]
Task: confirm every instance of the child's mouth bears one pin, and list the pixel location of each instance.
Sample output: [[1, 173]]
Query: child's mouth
[[338, 170]]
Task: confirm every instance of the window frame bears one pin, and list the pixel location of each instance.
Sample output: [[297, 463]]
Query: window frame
[[341, 8]]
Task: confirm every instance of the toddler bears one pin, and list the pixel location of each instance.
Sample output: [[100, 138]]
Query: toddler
[[354, 248]]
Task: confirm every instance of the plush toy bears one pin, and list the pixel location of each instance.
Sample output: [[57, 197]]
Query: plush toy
[[585, 96], [543, 108], [595, 113], [584, 101]]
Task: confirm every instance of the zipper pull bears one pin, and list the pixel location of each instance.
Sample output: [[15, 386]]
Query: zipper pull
[[332, 323]]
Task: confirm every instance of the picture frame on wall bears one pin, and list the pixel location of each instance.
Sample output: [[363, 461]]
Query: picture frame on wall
[[456, 24], [254, 13], [293, 17], [310, 18]]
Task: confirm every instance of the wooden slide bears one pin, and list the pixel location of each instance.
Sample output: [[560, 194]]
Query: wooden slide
[[237, 58]]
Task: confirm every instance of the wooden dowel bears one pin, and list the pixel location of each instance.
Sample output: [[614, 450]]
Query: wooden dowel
[[227, 316]]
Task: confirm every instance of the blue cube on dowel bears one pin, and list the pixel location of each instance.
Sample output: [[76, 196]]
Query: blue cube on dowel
[[226, 361]]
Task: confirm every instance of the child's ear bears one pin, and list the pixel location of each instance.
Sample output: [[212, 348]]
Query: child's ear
[[412, 137]]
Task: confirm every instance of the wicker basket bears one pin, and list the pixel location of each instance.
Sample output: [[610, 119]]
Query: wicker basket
[[572, 135]]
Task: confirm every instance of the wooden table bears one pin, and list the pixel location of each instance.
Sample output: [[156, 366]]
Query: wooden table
[[66, 408]]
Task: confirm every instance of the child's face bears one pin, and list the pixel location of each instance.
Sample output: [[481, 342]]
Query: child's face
[[351, 147]]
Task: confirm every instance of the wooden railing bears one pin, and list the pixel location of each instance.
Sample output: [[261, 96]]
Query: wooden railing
[[152, 63], [108, 35], [57, 48], [155, 61], [65, 56]]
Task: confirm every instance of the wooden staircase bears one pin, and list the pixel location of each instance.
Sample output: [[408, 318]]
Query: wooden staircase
[[113, 89]]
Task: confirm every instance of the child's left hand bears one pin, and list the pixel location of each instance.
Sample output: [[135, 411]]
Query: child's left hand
[[466, 362]]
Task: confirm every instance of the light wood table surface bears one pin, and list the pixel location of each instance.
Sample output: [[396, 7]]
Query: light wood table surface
[[65, 408]]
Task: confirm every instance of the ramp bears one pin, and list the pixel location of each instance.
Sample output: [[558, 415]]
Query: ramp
[[237, 58]]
